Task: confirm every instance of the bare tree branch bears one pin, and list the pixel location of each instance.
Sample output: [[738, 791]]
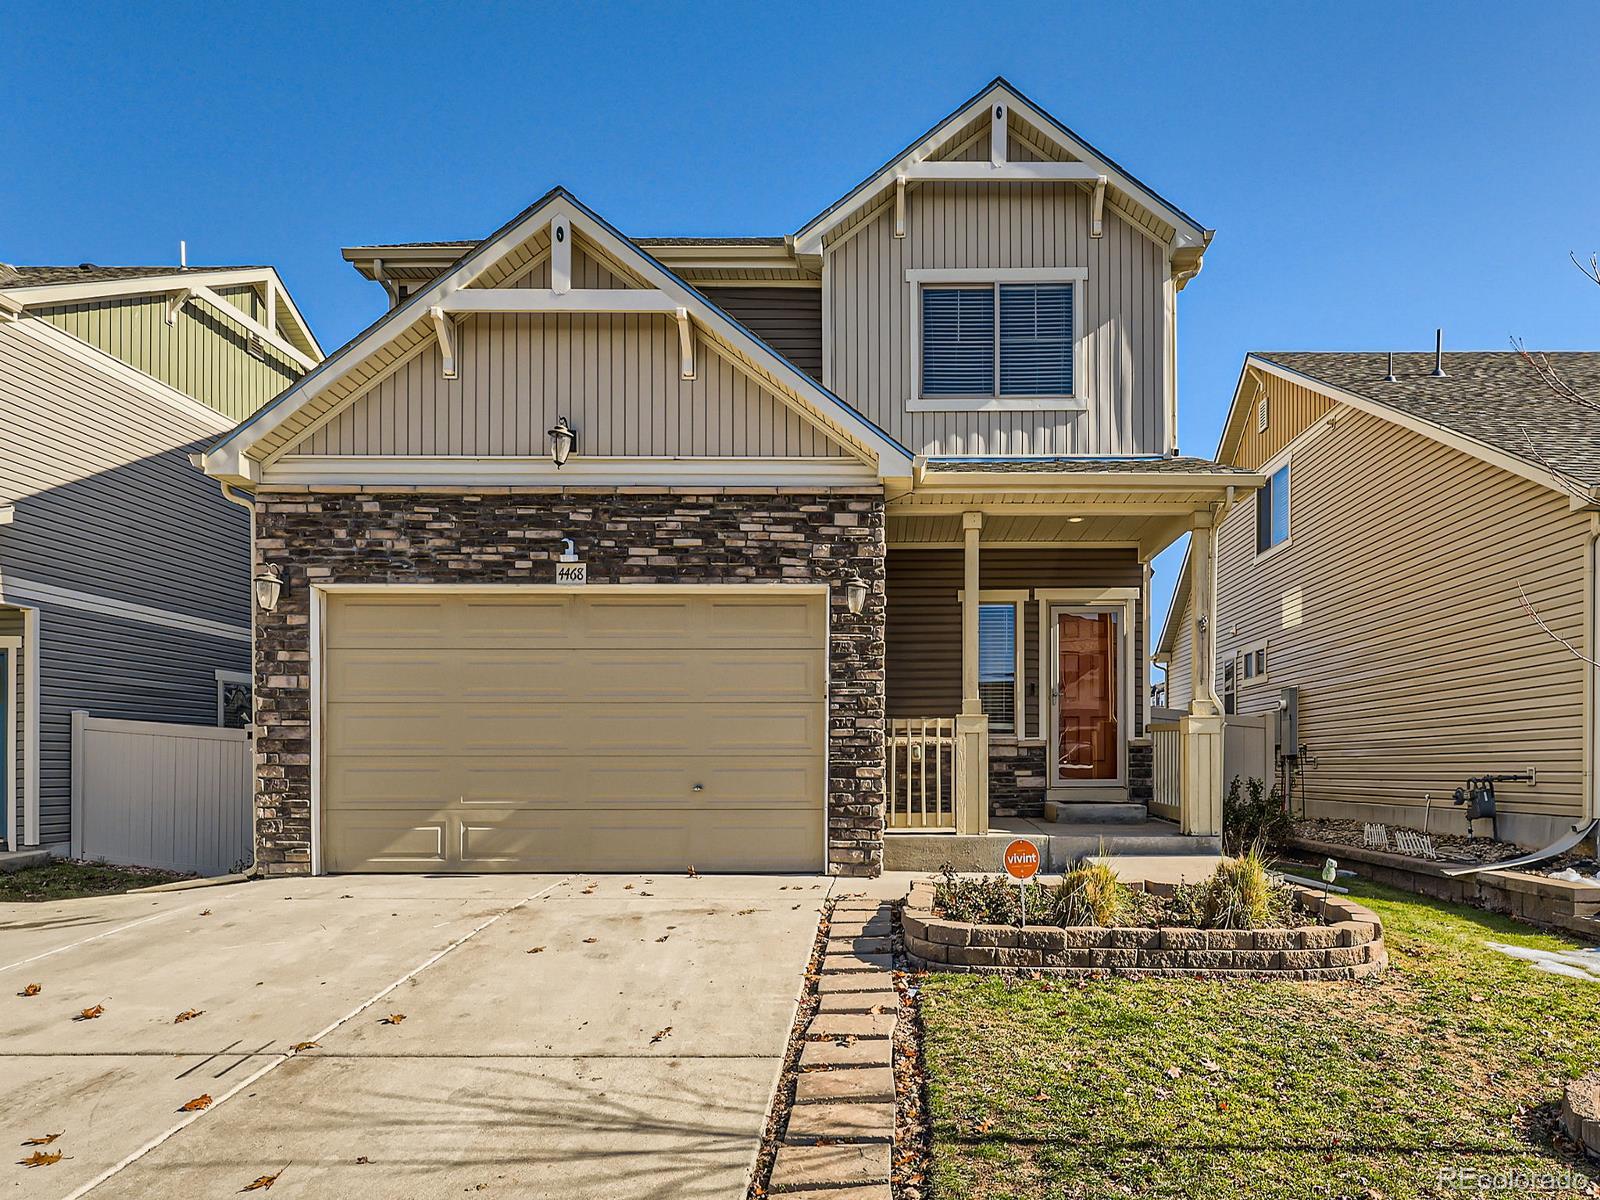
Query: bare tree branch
[[1549, 377], [1551, 633], [1593, 268], [1574, 489]]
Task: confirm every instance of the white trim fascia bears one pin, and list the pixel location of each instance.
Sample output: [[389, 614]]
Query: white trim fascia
[[548, 300], [12, 645], [310, 470], [45, 333], [271, 337], [12, 588], [1082, 481], [8, 513], [916, 275], [228, 459], [997, 404], [1011, 172], [30, 727], [1448, 437]]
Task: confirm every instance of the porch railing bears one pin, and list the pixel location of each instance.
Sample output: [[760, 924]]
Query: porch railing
[[922, 783], [1166, 739]]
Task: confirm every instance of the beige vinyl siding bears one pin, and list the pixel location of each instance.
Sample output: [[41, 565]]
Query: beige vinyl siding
[[203, 354], [1180, 678], [1120, 319], [923, 632], [789, 319], [1394, 609], [1291, 410]]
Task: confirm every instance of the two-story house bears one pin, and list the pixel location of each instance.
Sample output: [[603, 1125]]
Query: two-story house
[[599, 552], [124, 573]]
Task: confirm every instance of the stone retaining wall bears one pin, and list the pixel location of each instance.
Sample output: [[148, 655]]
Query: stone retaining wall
[[1349, 946]]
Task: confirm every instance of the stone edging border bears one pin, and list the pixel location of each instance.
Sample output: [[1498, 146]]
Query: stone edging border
[[1350, 946], [1580, 1112]]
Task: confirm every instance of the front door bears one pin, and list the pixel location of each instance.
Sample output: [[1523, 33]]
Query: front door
[[1086, 686]]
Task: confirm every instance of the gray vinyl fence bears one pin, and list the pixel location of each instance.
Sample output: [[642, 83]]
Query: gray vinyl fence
[[1248, 748], [150, 794]]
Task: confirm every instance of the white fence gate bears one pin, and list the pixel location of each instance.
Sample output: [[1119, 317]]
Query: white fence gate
[[150, 794]]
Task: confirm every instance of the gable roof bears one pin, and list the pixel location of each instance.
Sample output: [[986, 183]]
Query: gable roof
[[21, 276], [1491, 404], [1188, 233], [339, 378]]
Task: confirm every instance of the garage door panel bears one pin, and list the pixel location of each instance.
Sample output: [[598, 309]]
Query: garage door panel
[[569, 732]]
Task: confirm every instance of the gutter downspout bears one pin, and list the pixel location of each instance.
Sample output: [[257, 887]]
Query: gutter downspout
[[244, 501]]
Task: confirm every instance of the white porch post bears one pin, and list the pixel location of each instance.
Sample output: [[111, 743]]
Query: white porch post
[[972, 726], [1201, 768]]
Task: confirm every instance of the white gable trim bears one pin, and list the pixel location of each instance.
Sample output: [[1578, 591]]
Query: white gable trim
[[229, 458]]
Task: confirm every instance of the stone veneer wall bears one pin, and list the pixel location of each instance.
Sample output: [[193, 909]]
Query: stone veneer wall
[[625, 535], [1016, 778]]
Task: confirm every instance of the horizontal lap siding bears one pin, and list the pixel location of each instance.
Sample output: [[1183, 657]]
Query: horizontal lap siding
[[1120, 320], [1180, 677], [1395, 610], [789, 319], [924, 617]]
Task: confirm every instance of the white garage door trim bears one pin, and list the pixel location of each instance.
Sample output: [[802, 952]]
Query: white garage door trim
[[319, 601]]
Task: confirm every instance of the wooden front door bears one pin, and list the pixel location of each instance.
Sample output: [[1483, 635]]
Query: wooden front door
[[1086, 684]]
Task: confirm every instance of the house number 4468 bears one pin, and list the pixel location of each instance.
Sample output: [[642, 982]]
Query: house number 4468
[[572, 573]]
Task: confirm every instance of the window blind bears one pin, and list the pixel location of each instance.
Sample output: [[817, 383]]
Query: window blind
[[1036, 339], [958, 341]]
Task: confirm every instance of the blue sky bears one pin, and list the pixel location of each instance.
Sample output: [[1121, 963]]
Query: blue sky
[[1372, 170]]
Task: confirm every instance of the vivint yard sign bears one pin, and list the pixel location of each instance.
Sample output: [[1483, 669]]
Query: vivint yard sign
[[1021, 861]]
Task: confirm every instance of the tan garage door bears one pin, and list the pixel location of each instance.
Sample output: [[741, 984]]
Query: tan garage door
[[580, 730]]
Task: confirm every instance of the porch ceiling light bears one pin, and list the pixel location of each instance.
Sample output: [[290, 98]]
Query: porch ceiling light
[[269, 587], [563, 441], [855, 594], [1075, 520]]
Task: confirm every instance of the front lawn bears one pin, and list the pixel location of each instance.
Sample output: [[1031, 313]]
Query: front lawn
[[66, 880], [1453, 1060]]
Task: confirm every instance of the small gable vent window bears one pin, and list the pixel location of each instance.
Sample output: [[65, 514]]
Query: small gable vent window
[[257, 349], [1028, 352], [1261, 415]]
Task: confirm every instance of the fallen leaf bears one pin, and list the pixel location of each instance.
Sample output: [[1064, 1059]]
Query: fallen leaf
[[663, 937], [590, 941], [187, 1014], [262, 1183], [627, 887], [90, 1014], [744, 912], [1174, 1072], [693, 874], [205, 912], [362, 1160], [1476, 998], [40, 1159], [201, 1101], [660, 1034], [32, 989], [537, 950], [391, 1019], [299, 1046], [43, 1141], [1042, 1096], [1209, 1066]]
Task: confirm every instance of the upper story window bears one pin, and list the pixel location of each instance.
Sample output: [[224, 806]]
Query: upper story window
[[1272, 511], [997, 339]]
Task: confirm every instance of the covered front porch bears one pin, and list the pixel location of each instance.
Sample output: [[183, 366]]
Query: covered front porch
[[1018, 633]]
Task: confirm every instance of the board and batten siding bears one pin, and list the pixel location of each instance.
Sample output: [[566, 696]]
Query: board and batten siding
[[203, 354], [923, 632], [1120, 322], [616, 377], [109, 508], [1394, 608]]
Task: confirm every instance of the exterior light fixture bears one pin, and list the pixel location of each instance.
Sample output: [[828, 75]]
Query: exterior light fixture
[[563, 440], [269, 587], [855, 594]]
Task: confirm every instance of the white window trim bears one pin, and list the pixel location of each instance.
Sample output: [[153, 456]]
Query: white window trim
[[1125, 598], [1017, 598], [916, 278], [11, 646], [225, 676], [1272, 468]]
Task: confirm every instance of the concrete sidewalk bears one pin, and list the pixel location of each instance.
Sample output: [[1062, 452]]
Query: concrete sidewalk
[[633, 1054]]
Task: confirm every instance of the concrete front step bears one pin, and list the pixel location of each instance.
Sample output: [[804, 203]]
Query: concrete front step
[[1068, 812], [17, 860], [1061, 851], [857, 1083], [813, 1168]]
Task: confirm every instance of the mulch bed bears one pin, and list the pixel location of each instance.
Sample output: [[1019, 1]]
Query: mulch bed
[[913, 1130], [1452, 847]]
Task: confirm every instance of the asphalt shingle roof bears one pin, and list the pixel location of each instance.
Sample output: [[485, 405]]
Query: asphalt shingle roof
[[1493, 397], [11, 276], [1131, 466]]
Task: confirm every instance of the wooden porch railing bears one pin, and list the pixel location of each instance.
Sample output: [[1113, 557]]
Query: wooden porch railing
[[922, 783], [1166, 738]]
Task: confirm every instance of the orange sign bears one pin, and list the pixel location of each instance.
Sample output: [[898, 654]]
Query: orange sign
[[1022, 859]]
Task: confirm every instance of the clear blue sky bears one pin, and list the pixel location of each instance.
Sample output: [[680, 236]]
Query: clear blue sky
[[1372, 170]]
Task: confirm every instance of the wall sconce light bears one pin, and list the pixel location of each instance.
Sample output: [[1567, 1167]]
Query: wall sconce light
[[855, 594], [269, 587], [563, 441]]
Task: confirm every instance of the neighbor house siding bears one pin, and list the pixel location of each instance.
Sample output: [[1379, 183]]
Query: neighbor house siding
[[1180, 667], [1120, 321], [1394, 608], [789, 319], [203, 354], [108, 507]]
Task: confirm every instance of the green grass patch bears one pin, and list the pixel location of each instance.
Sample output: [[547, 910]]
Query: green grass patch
[[1454, 1059], [71, 880]]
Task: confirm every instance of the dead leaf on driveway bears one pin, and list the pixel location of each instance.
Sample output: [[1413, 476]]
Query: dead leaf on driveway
[[201, 1101], [537, 950], [693, 874], [661, 1034], [299, 1046], [663, 937], [362, 1160], [40, 1159], [590, 941], [188, 1014], [90, 1014], [744, 912], [205, 912], [391, 1019], [263, 1183], [43, 1141], [32, 989]]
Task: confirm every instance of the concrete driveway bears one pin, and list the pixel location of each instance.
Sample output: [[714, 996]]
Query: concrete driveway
[[633, 1054]]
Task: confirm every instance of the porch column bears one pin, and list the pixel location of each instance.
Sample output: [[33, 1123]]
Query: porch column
[[972, 726], [1201, 767]]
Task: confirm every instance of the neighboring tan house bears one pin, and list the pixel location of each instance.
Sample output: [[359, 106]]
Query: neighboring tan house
[[899, 472], [124, 574], [1386, 573]]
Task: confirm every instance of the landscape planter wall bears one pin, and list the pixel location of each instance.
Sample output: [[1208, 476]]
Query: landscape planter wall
[[1537, 899], [1349, 946]]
